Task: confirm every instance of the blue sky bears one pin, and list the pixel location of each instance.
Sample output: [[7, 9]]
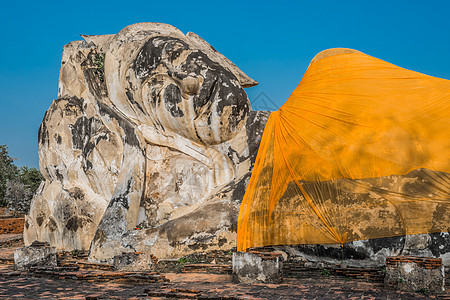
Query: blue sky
[[271, 41]]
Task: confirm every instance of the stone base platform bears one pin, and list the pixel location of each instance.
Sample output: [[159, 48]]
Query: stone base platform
[[135, 261], [37, 254], [415, 274], [257, 267]]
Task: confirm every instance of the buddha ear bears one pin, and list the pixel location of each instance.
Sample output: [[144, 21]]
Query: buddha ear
[[216, 56]]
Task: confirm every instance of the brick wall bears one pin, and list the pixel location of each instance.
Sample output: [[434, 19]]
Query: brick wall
[[423, 262], [11, 225]]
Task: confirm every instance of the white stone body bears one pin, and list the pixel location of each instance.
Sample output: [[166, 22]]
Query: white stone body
[[150, 130]]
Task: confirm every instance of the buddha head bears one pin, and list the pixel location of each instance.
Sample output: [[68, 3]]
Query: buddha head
[[177, 83]]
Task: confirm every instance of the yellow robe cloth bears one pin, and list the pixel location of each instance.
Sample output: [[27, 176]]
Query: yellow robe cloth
[[328, 166]]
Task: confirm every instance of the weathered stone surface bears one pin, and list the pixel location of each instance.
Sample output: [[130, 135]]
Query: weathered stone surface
[[257, 267], [373, 253], [415, 274], [151, 129], [134, 261], [34, 255]]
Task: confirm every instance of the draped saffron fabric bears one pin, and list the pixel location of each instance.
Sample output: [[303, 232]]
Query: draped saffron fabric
[[360, 150]]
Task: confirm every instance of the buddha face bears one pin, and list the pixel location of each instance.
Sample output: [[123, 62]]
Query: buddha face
[[188, 93]]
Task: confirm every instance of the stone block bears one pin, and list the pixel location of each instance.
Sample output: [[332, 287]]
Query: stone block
[[37, 254], [134, 261], [257, 267], [415, 274]]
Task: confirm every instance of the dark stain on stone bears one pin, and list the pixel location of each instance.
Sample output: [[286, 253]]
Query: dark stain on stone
[[123, 198], [51, 224], [87, 133], [151, 54], [40, 218], [239, 189], [440, 243], [132, 101], [395, 242], [415, 187], [441, 218], [198, 246], [96, 86], [77, 193], [43, 135], [255, 125], [80, 132], [59, 176], [94, 80], [172, 96], [130, 136], [234, 221], [222, 242], [72, 105], [217, 84], [27, 225], [346, 252], [155, 98], [99, 238], [88, 164], [234, 98], [58, 138], [75, 223]]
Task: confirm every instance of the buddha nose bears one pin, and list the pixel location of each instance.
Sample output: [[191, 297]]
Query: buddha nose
[[191, 85]]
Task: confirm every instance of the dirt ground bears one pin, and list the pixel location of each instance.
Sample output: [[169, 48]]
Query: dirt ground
[[22, 285]]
